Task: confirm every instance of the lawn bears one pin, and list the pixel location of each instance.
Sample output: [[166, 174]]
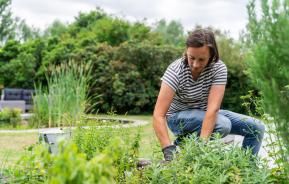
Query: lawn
[[12, 146]]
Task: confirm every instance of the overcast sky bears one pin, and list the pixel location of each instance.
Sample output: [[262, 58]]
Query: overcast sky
[[229, 15]]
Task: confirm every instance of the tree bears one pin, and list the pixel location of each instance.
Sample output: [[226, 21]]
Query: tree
[[173, 32], [6, 21], [19, 72], [24, 32], [55, 29], [269, 65], [9, 51]]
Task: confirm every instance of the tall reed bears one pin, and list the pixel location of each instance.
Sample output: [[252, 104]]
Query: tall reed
[[64, 100]]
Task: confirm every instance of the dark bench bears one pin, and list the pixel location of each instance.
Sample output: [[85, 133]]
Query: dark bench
[[17, 98]]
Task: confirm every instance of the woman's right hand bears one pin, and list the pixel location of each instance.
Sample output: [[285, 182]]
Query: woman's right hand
[[169, 152]]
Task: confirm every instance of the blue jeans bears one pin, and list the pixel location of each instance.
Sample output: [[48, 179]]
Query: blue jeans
[[184, 123]]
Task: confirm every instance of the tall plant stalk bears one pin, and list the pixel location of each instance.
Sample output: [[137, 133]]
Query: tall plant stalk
[[65, 99]]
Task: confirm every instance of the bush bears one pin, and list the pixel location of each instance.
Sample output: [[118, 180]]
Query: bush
[[119, 144], [10, 117], [68, 166], [238, 84], [128, 77], [206, 162]]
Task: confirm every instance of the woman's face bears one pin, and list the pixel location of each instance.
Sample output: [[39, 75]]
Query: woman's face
[[198, 58]]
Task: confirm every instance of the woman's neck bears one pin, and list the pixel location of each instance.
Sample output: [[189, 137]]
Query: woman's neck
[[195, 75]]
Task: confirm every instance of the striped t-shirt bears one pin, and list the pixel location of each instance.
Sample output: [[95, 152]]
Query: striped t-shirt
[[191, 94]]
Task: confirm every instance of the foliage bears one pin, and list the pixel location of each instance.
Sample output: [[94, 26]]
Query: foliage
[[23, 32], [12, 27], [120, 144], [34, 163], [19, 71], [207, 162], [139, 70], [172, 32], [93, 156], [6, 21], [254, 105], [10, 117], [9, 51], [71, 166], [128, 59], [68, 166], [55, 29], [268, 63], [84, 20], [21, 63], [124, 77], [233, 55]]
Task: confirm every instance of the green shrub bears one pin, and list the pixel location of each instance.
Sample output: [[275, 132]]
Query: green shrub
[[10, 117], [68, 166], [92, 156], [238, 84], [71, 166], [120, 144], [32, 166], [128, 77], [207, 162]]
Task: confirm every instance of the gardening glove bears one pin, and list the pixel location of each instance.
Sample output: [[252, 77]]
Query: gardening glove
[[169, 152]]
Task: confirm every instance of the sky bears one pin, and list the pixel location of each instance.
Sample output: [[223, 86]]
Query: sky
[[227, 15]]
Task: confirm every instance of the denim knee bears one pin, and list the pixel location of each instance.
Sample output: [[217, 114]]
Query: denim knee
[[256, 129], [260, 129], [223, 126]]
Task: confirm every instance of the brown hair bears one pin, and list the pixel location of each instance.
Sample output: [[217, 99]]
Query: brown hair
[[200, 38]]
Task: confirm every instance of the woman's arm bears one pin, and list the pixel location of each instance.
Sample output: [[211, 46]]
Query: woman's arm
[[215, 98], [163, 103]]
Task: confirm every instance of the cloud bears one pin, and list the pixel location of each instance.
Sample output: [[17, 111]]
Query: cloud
[[42, 13], [223, 14]]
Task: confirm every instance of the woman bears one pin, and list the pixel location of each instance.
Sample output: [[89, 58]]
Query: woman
[[190, 97]]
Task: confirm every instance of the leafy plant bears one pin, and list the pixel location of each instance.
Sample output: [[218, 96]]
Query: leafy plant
[[68, 166], [119, 144], [207, 162], [92, 156], [10, 117], [32, 166], [71, 166]]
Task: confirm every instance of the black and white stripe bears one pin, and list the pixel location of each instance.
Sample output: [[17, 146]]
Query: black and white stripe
[[192, 94]]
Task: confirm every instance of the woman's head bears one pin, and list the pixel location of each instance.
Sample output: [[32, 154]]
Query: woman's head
[[201, 40]]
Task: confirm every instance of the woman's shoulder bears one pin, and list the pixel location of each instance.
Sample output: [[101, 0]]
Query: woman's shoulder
[[218, 65], [178, 64]]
